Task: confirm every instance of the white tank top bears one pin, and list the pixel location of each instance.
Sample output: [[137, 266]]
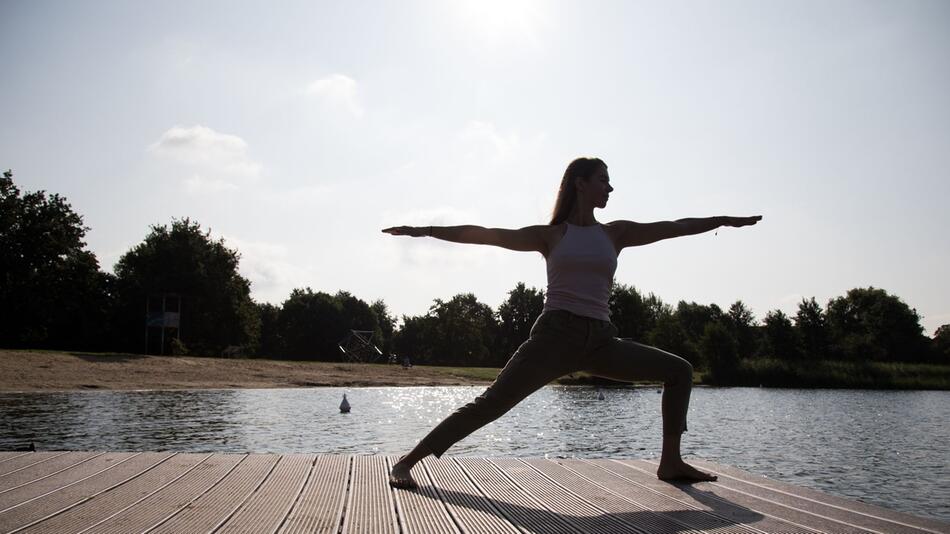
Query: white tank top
[[580, 272]]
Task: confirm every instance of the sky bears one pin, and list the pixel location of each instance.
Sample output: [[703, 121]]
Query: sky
[[296, 131]]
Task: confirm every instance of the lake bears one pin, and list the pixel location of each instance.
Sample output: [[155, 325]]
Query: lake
[[884, 447]]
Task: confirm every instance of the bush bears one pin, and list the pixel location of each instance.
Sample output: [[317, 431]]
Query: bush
[[178, 348]]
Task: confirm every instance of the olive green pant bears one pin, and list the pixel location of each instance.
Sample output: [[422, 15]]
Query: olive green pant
[[561, 343]]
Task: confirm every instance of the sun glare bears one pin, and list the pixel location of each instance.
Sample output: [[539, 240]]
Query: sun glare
[[504, 22]]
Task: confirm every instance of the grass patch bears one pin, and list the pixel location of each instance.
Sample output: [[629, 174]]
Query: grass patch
[[840, 374], [484, 374]]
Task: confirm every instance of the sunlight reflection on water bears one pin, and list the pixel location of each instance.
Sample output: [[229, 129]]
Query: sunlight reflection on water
[[886, 447]]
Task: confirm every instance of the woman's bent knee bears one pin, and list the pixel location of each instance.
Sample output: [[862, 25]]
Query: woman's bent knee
[[682, 372]]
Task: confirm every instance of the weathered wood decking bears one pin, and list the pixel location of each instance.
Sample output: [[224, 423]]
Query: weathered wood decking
[[160, 492]]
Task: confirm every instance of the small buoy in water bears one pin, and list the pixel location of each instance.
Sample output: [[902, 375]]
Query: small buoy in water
[[600, 395], [345, 405]]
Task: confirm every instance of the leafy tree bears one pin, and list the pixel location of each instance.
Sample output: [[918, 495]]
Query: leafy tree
[[50, 285], [720, 351], [941, 344], [780, 339], [669, 335], [415, 339], [387, 325], [516, 316], [657, 308], [312, 325], [870, 324], [271, 341], [216, 306], [741, 324], [465, 332], [812, 331], [692, 319], [357, 314], [630, 313]]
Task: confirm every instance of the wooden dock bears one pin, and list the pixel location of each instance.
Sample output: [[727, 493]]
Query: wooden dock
[[162, 492]]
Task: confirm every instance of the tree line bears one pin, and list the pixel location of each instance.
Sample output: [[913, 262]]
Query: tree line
[[54, 296]]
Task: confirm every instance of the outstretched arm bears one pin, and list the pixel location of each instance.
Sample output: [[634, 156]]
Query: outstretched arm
[[632, 234], [529, 238]]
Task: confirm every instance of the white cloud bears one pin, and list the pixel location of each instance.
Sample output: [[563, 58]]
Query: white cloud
[[269, 268], [337, 91], [212, 162], [204, 149]]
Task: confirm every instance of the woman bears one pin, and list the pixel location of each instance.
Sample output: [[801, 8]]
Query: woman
[[573, 333]]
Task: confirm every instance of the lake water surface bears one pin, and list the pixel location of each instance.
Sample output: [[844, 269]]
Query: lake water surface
[[885, 447]]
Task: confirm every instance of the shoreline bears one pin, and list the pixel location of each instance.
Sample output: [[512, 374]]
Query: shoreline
[[32, 371]]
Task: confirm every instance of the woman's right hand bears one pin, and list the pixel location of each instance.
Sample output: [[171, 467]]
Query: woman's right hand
[[741, 221], [412, 231]]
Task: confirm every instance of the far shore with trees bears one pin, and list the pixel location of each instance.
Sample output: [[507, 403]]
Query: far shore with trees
[[55, 297]]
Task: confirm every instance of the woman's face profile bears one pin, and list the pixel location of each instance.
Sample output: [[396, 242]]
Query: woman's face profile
[[596, 189]]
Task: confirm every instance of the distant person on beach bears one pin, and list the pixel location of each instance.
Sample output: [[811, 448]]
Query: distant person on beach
[[573, 332]]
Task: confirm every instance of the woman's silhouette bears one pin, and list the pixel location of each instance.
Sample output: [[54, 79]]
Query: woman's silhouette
[[573, 332]]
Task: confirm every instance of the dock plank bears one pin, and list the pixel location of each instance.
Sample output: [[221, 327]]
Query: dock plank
[[470, 509], [9, 455], [421, 511], [177, 493], [214, 507], [818, 514], [824, 503], [27, 460], [714, 492], [167, 501], [582, 514], [103, 506], [672, 502], [521, 508], [370, 508], [267, 508], [80, 471], [320, 506], [614, 502], [39, 471], [35, 510]]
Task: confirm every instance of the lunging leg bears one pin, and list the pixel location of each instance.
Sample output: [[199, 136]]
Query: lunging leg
[[629, 361], [532, 366]]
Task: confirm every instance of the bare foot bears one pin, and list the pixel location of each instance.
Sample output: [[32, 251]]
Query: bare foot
[[400, 477], [682, 472]]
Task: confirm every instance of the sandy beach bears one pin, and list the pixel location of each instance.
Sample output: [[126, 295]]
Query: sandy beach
[[65, 371]]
